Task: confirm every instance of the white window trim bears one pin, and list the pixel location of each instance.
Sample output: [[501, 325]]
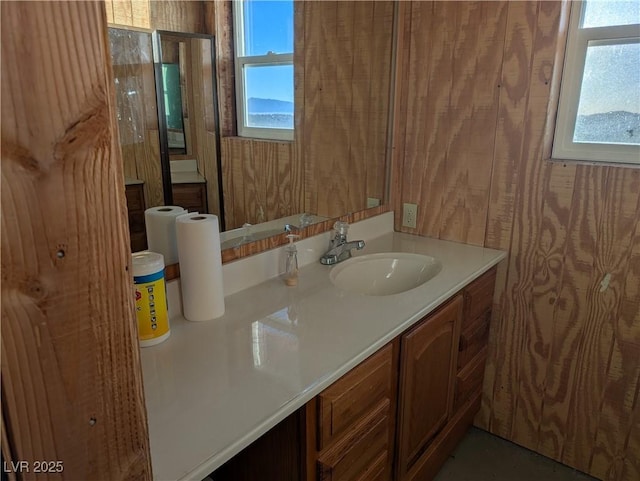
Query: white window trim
[[241, 94], [578, 38]]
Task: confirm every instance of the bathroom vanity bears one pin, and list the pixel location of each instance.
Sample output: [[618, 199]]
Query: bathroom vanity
[[341, 383]]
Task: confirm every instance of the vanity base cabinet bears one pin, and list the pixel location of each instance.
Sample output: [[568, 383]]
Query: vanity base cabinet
[[469, 356], [351, 424], [396, 416], [275, 456]]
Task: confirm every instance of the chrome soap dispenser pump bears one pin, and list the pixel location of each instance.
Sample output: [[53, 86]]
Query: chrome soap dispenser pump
[[291, 262]]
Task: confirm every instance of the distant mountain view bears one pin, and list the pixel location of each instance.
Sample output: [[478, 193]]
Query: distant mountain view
[[610, 127], [270, 113]]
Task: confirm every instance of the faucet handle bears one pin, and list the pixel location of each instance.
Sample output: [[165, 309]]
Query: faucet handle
[[341, 228]]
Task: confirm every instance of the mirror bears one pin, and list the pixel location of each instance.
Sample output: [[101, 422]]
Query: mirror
[[188, 116], [337, 163]]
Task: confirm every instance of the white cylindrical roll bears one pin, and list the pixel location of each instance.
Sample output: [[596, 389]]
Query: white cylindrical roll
[[160, 224], [200, 266]]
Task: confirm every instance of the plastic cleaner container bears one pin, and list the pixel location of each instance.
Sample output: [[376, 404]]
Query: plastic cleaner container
[[291, 262], [151, 298]]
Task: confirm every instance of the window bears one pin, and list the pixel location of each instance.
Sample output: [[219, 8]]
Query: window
[[599, 110], [264, 68]]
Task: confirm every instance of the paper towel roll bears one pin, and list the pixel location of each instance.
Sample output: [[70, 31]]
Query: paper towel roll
[[160, 225], [200, 266]]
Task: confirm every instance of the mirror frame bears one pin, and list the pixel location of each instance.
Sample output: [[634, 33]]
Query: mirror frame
[[167, 187]]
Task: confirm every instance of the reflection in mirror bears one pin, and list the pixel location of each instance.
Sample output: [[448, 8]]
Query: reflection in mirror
[[137, 118], [172, 91], [189, 121], [336, 164]]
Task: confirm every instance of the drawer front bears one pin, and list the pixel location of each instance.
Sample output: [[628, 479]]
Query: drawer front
[[190, 196], [136, 222], [478, 297], [473, 339], [351, 397], [135, 197], [363, 454], [469, 380]]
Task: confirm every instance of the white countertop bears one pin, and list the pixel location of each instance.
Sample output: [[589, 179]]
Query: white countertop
[[214, 387]]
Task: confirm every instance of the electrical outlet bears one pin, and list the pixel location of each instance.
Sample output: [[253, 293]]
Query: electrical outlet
[[372, 202], [409, 215]]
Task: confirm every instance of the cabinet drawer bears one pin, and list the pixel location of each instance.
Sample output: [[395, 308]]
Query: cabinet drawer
[[473, 339], [363, 454], [469, 380], [353, 395], [192, 197], [135, 197], [478, 297]]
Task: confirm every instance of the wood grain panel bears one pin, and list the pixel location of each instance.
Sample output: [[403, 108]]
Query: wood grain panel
[[178, 16], [564, 352], [71, 379], [378, 154], [263, 174], [137, 113], [347, 48], [472, 111]]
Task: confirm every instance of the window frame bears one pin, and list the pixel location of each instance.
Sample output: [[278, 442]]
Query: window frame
[[564, 148], [242, 61]]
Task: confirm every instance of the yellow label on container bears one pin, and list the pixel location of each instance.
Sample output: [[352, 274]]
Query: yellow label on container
[[151, 306]]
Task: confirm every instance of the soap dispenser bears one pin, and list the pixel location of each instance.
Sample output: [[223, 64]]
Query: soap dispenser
[[291, 262]]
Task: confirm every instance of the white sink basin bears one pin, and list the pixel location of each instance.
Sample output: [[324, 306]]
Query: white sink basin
[[384, 274]]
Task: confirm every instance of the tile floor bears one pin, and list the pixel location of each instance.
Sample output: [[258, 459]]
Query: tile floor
[[484, 457]]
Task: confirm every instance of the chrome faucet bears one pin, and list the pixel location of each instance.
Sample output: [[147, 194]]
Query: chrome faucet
[[339, 247], [289, 228]]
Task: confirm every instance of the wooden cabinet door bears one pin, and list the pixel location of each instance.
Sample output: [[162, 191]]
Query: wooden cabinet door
[[427, 363]]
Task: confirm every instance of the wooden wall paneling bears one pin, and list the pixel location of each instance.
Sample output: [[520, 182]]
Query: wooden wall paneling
[[472, 120], [223, 30], [311, 92], [129, 13], [513, 308], [377, 151], [108, 6], [123, 12], [254, 182], [151, 171], [209, 145], [603, 229], [361, 60], [278, 180], [71, 378], [178, 16], [324, 150], [140, 14], [507, 160], [241, 151], [400, 108], [203, 122], [228, 149], [615, 342], [529, 362], [544, 360], [427, 137], [628, 329], [298, 163]]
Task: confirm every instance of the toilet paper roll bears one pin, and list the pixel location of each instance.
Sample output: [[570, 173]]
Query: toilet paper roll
[[200, 266], [160, 225]]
